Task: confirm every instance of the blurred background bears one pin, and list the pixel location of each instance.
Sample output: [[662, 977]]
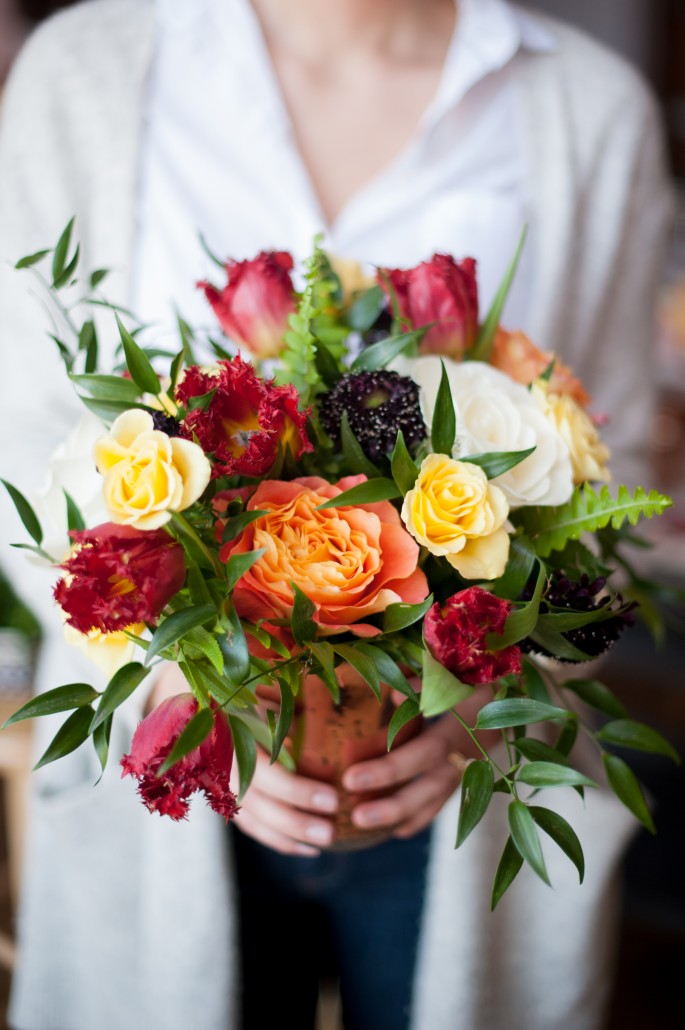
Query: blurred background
[[649, 676]]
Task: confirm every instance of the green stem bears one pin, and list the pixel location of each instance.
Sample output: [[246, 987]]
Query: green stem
[[510, 783]]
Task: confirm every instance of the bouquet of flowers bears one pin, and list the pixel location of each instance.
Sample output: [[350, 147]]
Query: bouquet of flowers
[[390, 487]]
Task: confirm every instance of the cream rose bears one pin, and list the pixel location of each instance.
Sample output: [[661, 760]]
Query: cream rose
[[148, 475], [589, 456], [455, 512], [496, 414]]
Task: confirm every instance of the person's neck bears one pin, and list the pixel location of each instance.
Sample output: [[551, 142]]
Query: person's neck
[[392, 29]]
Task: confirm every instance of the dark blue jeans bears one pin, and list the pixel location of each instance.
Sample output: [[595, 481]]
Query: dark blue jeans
[[354, 915]]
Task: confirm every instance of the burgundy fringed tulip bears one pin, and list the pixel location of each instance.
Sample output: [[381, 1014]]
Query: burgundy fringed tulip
[[442, 291], [254, 306], [456, 635], [207, 768], [119, 576]]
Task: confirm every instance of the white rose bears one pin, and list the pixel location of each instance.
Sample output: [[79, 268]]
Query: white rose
[[494, 413]]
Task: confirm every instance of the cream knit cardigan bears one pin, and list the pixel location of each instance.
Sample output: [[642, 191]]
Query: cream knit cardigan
[[127, 919]]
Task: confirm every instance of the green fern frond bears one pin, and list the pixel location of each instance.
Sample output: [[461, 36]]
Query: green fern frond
[[588, 511]]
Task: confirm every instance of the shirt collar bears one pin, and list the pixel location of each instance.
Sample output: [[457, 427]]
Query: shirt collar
[[487, 35]]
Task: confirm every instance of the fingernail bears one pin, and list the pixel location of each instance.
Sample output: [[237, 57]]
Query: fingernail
[[325, 801], [319, 833], [306, 851], [358, 781], [368, 816]]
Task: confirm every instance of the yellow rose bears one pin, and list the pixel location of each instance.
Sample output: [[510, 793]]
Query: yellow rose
[[148, 474], [109, 651], [588, 454], [455, 512]]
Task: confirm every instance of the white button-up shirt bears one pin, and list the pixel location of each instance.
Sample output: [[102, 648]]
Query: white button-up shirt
[[219, 157]]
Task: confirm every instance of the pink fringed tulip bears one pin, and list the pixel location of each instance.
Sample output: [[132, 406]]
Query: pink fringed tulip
[[207, 768]]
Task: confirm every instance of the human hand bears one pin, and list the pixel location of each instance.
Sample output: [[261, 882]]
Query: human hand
[[283, 810], [421, 774]]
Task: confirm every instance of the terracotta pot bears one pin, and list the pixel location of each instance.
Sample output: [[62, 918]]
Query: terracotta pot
[[328, 738]]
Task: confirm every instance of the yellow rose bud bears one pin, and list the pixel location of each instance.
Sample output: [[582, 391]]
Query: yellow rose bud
[[148, 474], [589, 456], [456, 513]]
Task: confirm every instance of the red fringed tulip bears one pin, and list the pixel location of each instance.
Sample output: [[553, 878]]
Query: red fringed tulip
[[207, 768], [254, 306], [118, 576], [456, 635], [246, 421], [442, 291]]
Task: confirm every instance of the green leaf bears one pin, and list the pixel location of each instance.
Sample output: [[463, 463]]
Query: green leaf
[[97, 277], [388, 670], [520, 623], [405, 471], [354, 453], [551, 528], [597, 695], [234, 646], [69, 736], [550, 774], [519, 567], [25, 512], [301, 622], [31, 259], [550, 641], [399, 616], [537, 751], [325, 656], [208, 645], [195, 731], [197, 584], [635, 735], [107, 387], [245, 752], [235, 525], [371, 492], [68, 272], [567, 737], [625, 786], [525, 838], [379, 355], [101, 741], [36, 550], [483, 345], [326, 365], [476, 791], [61, 699], [176, 626], [122, 684], [238, 564], [444, 427], [516, 711], [109, 410], [556, 827], [534, 683], [496, 463], [362, 663], [59, 257], [201, 401], [407, 711], [440, 690], [285, 717], [138, 363], [365, 310], [75, 520], [508, 869]]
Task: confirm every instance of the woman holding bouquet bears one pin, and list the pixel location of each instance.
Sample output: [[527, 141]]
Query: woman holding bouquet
[[401, 129]]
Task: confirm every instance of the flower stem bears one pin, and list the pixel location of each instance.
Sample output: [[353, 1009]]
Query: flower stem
[[510, 783]]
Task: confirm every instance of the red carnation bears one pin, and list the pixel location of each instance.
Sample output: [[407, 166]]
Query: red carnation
[[254, 306], [442, 291], [207, 768], [246, 421], [117, 576], [456, 635]]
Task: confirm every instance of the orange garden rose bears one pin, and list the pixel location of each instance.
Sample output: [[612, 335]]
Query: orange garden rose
[[352, 562], [517, 356]]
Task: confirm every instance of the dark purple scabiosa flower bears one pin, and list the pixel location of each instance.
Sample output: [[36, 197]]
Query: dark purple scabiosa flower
[[378, 405], [583, 595]]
